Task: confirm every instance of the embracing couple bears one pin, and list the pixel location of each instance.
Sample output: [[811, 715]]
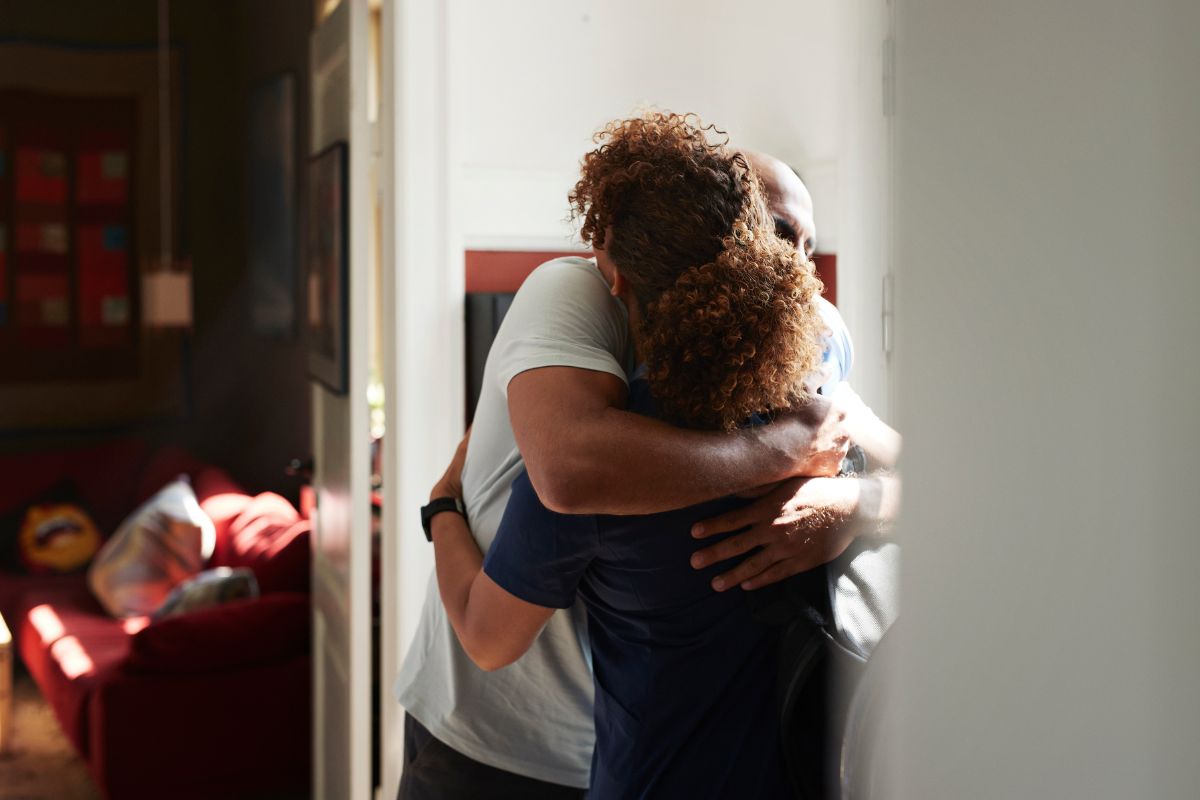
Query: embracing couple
[[658, 437]]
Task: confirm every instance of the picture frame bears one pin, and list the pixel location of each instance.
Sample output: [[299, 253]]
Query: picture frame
[[326, 268]]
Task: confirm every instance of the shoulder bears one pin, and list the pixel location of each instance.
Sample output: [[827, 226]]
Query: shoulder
[[570, 273], [569, 291], [564, 315]]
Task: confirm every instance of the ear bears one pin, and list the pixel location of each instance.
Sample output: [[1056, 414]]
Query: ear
[[618, 283]]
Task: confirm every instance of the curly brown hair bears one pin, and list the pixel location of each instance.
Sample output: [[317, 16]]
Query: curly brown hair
[[728, 326]]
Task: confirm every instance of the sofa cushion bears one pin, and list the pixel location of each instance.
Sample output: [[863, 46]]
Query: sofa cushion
[[70, 646], [245, 633], [269, 537], [223, 508]]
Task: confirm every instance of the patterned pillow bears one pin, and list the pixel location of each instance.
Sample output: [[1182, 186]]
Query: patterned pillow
[[164, 542], [54, 534], [208, 589]]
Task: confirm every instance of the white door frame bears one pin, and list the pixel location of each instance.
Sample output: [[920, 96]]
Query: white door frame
[[423, 286], [341, 568]]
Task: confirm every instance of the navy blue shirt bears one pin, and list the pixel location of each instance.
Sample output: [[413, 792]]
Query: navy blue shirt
[[684, 675]]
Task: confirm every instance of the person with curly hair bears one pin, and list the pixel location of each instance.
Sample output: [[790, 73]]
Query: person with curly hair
[[726, 330]]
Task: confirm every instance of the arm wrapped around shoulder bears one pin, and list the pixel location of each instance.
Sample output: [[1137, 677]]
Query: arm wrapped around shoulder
[[736, 336]]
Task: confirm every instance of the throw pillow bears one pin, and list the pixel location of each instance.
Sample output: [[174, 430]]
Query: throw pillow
[[54, 534], [208, 589], [164, 542]]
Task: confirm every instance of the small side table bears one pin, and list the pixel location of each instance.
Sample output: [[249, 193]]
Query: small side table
[[6, 687]]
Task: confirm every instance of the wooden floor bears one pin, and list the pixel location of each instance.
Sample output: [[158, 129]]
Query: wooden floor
[[41, 765]]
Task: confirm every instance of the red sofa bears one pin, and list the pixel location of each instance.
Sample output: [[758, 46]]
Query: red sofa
[[215, 703]]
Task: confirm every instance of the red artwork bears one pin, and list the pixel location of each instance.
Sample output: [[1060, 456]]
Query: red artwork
[[43, 237], [103, 285], [41, 175], [103, 177], [66, 242], [44, 300]]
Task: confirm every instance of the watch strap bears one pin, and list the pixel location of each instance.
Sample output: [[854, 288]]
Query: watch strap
[[437, 506]]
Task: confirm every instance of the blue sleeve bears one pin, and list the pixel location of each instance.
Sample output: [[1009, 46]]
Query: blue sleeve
[[539, 555]]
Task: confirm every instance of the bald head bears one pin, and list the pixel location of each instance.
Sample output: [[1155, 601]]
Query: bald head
[[789, 200]]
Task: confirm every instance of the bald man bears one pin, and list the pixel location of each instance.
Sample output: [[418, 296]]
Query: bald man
[[553, 405]]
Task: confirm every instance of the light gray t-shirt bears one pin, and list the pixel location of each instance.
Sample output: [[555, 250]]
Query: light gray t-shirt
[[533, 717], [863, 581]]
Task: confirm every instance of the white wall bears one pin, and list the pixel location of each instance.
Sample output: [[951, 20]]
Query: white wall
[[1047, 172], [863, 201], [530, 82], [423, 319]]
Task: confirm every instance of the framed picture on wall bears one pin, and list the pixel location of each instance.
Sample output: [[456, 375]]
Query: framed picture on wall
[[86, 200], [326, 268]]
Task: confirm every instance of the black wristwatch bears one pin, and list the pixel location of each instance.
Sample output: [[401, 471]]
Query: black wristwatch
[[437, 506]]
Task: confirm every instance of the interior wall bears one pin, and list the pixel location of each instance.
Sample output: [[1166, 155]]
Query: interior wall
[[863, 202], [251, 393], [1048, 184], [528, 85], [249, 399]]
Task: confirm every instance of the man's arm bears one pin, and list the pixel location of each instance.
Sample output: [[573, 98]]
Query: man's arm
[[878, 440], [494, 627], [801, 524], [586, 455]]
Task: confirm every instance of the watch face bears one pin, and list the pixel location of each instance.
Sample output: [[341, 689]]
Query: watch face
[[854, 462]]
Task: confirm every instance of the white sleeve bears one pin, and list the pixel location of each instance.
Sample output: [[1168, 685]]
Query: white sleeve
[[838, 357], [839, 350], [563, 316]]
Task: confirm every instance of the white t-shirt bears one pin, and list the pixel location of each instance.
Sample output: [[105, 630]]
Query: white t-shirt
[[533, 717]]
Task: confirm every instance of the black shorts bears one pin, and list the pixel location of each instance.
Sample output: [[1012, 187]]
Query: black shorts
[[435, 771]]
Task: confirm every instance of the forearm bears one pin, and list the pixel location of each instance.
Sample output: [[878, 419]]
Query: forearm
[[494, 627], [616, 462], [878, 504], [878, 440], [586, 455], [459, 563]]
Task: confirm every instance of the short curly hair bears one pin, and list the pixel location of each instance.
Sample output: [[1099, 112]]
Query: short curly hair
[[729, 327]]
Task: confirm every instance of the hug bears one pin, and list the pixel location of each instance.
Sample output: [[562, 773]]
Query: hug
[[659, 435]]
